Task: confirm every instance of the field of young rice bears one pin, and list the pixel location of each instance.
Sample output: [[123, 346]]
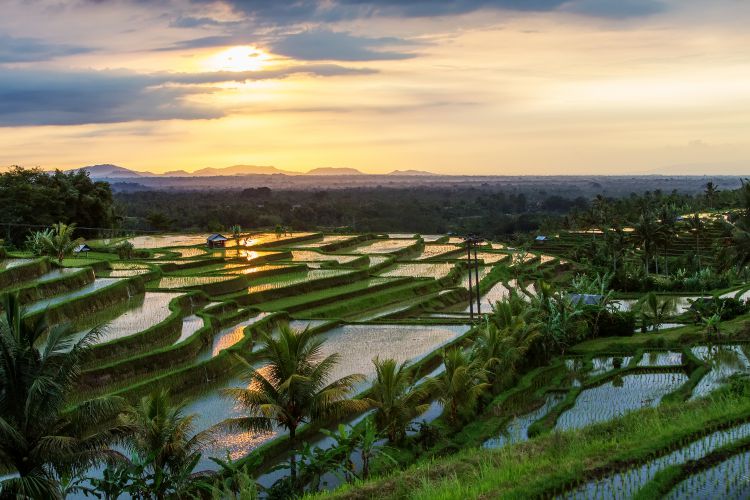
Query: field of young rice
[[357, 345], [518, 428], [434, 251], [171, 240], [328, 239], [669, 358], [419, 270], [189, 252], [311, 256], [265, 238], [619, 396], [288, 279], [98, 284], [488, 257], [146, 311], [625, 484], [172, 282], [483, 271], [381, 246], [728, 479]]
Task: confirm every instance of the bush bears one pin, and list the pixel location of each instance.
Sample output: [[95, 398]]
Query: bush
[[617, 324]]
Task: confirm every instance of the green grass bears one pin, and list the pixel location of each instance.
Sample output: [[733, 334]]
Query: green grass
[[554, 462]]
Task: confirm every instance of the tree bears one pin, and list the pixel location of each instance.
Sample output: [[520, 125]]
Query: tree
[[293, 388], [395, 399], [43, 437], [459, 386], [710, 193], [236, 233], [646, 233], [59, 241], [501, 346], [696, 226], [655, 310], [37, 198], [158, 221], [162, 438]]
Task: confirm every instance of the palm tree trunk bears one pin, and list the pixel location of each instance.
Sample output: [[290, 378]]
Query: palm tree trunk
[[293, 460], [698, 249]]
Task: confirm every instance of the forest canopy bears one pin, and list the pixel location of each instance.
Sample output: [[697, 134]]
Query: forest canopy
[[32, 197]]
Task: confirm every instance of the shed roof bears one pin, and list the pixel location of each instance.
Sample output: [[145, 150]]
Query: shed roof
[[217, 237], [83, 247]]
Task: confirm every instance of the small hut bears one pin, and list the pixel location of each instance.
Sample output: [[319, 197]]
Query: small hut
[[216, 241], [83, 248]]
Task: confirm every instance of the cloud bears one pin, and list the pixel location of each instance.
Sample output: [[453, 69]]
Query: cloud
[[297, 11], [316, 45], [38, 97], [21, 50]]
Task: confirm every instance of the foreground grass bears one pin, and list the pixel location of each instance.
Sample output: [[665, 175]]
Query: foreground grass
[[557, 461]]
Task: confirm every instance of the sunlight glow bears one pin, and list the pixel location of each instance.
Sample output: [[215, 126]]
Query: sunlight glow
[[239, 58]]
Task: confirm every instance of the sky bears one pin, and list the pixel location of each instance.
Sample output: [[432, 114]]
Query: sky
[[491, 87]]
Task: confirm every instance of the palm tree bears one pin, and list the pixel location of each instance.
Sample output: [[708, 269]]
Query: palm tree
[[711, 192], [236, 233], [696, 226], [499, 348], [162, 435], [60, 242], [395, 399], [667, 231], [42, 437], [646, 233], [655, 310], [294, 388], [459, 386]]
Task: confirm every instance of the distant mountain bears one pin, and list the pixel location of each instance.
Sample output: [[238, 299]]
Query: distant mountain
[[410, 172], [177, 173], [110, 171], [240, 170], [334, 171]]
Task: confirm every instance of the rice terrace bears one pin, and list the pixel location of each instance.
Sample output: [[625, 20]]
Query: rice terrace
[[394, 365], [374, 249]]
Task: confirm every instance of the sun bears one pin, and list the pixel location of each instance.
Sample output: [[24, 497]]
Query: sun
[[239, 58]]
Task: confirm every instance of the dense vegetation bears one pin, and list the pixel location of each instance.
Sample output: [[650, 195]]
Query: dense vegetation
[[31, 198], [343, 359]]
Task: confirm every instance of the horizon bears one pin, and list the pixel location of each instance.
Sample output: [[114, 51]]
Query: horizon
[[491, 87]]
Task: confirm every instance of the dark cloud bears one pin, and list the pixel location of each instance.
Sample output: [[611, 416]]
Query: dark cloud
[[203, 42], [20, 50], [295, 11], [36, 97], [316, 45]]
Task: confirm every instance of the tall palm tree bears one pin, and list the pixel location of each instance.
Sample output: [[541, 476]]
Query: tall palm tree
[[646, 234], [711, 192], [696, 226], [294, 388], [458, 388], [162, 435], [60, 243], [394, 398], [41, 437], [667, 231]]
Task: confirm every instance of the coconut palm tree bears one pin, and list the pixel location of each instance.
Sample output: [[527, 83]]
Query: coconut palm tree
[[656, 310], [162, 436], [394, 398], [711, 192], [43, 438], [293, 388], [500, 348], [696, 226], [646, 234], [458, 388], [60, 243]]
